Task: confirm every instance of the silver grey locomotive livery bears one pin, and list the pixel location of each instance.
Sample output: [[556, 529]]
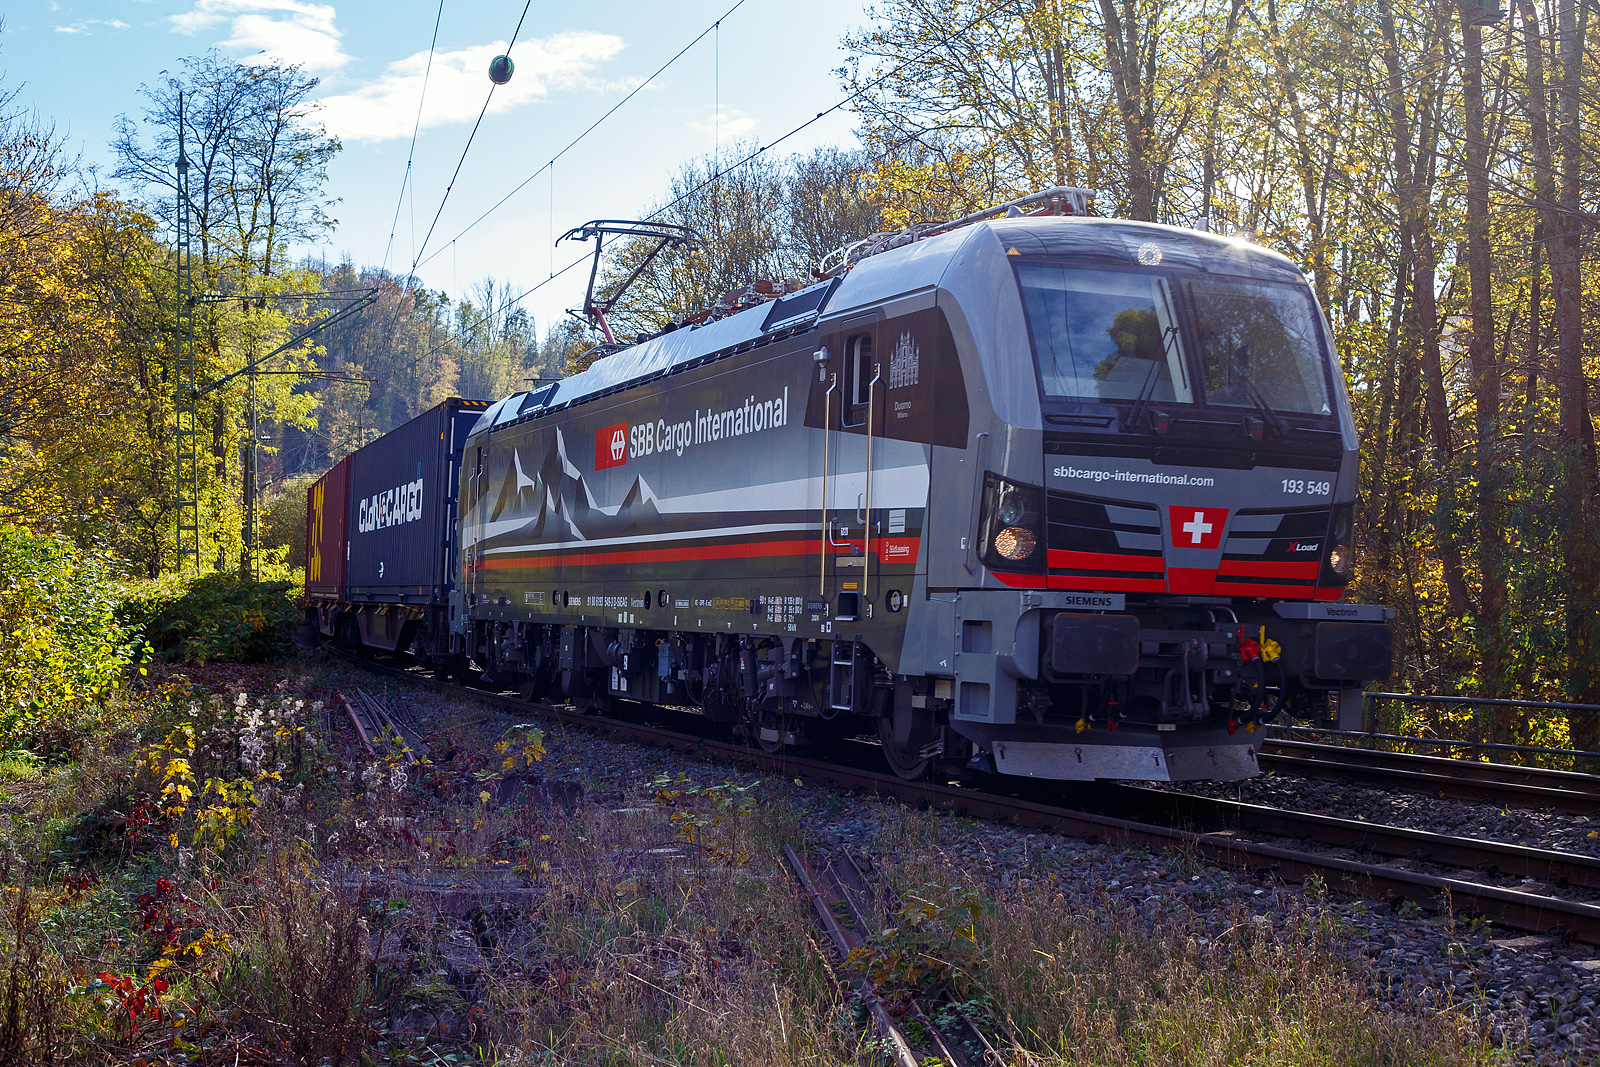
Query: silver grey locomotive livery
[[1052, 495]]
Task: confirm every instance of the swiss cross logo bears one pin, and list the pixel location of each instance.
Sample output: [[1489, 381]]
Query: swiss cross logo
[[1197, 527], [611, 446]]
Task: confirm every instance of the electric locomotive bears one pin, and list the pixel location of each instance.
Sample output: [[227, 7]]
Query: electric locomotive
[[1036, 492]]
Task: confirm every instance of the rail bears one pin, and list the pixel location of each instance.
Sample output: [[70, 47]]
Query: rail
[[1511, 908], [1489, 733], [1448, 850], [1504, 784]]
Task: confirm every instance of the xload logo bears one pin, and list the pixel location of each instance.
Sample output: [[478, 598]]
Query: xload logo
[[611, 446]]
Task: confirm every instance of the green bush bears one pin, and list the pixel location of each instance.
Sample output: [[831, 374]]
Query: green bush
[[63, 650], [217, 617], [283, 520]]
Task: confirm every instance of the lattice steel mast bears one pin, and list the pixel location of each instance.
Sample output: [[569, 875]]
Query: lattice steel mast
[[187, 466]]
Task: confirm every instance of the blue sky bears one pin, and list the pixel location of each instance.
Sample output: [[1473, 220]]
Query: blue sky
[[766, 70]]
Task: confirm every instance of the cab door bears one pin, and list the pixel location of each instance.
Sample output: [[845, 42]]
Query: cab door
[[855, 407]]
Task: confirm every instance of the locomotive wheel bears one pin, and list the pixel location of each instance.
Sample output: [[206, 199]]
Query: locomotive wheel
[[911, 768]]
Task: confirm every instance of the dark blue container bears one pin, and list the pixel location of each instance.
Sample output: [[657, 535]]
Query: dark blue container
[[402, 516]]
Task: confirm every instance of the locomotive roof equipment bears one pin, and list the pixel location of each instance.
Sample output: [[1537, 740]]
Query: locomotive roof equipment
[[665, 234]]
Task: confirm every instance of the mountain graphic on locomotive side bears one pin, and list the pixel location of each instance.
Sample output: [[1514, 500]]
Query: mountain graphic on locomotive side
[[1034, 492]]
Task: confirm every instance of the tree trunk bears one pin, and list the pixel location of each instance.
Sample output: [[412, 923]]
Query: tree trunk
[[1122, 60], [1413, 177], [1317, 252], [1486, 374], [1577, 428], [1530, 397]]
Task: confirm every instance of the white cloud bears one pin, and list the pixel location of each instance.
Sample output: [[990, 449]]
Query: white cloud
[[288, 31], [730, 122], [82, 26], [386, 108]]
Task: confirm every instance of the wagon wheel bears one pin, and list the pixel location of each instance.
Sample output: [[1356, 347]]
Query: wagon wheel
[[771, 720], [911, 768]]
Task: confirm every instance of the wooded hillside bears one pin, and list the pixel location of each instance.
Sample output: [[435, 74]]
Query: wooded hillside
[[1436, 179]]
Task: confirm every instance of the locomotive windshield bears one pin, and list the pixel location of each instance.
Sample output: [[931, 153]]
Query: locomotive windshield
[[1259, 341], [1104, 335], [1107, 335]]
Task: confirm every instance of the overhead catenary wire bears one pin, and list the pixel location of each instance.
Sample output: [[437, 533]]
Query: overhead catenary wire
[[550, 165], [416, 127], [468, 146], [719, 174], [843, 102], [819, 116]]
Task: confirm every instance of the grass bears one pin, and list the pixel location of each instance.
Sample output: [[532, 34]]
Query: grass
[[318, 917], [1069, 974]]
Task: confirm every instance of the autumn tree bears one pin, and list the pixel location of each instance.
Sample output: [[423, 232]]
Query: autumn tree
[[258, 163]]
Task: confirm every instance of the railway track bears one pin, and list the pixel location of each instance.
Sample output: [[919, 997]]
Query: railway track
[[847, 899], [1511, 908], [1502, 783], [1564, 869]]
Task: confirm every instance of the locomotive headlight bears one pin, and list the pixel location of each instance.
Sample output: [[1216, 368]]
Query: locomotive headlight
[[1012, 528], [1013, 509], [1015, 543], [1341, 541]]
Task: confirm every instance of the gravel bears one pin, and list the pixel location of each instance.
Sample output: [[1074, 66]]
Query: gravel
[[1418, 811], [1537, 996]]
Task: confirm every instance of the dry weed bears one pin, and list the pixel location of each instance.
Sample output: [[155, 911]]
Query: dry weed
[[1074, 976]]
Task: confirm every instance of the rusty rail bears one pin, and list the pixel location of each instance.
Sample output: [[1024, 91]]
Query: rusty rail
[[894, 1039], [365, 728], [379, 714]]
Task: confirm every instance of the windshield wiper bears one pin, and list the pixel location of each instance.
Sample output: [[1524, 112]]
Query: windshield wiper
[[1268, 415], [1147, 390], [1136, 412]]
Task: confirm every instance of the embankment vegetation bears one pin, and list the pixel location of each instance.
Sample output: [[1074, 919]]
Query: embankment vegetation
[[218, 872]]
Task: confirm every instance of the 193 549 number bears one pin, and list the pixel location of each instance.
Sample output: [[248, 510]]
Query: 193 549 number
[[1297, 485]]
